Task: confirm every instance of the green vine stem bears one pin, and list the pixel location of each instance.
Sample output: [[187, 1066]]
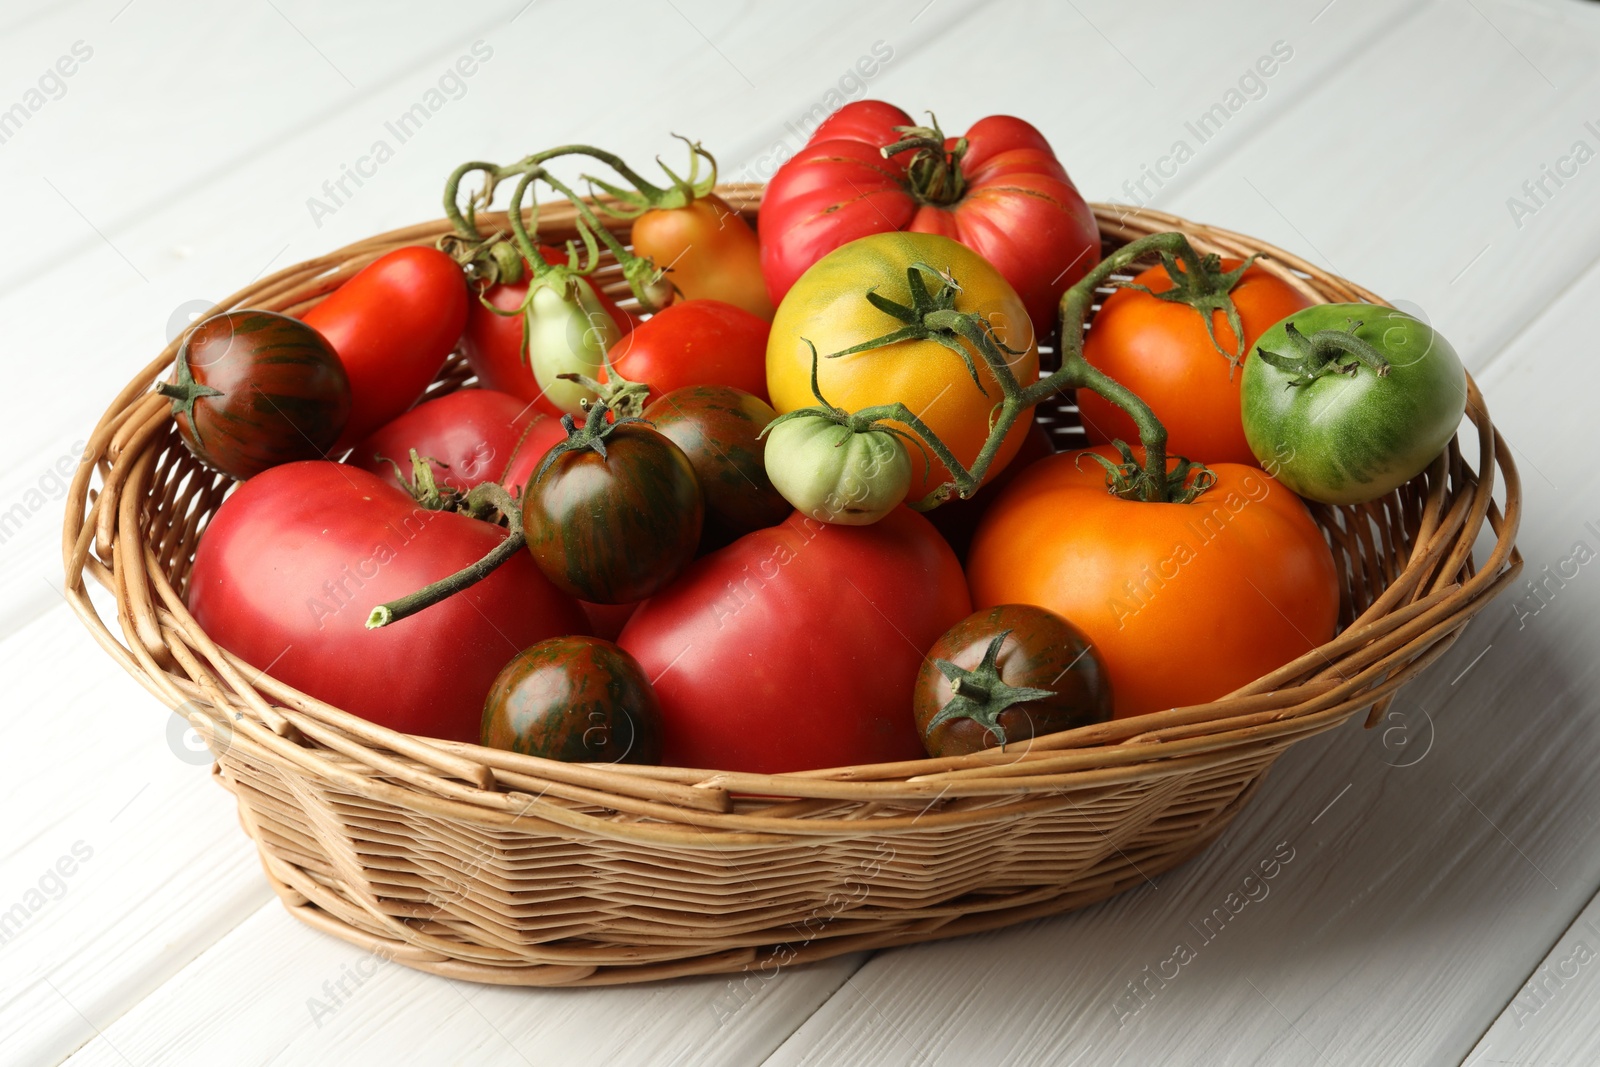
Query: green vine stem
[[1326, 352]]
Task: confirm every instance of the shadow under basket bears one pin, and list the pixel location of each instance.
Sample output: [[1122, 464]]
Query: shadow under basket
[[496, 867]]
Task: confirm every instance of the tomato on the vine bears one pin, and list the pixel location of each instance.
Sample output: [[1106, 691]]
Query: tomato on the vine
[[253, 389], [834, 473], [289, 567], [798, 646], [1007, 674], [999, 190], [1183, 602], [577, 699], [708, 251], [828, 309], [1160, 349], [393, 325]]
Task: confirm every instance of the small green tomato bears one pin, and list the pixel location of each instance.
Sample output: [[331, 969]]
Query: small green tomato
[[834, 473]]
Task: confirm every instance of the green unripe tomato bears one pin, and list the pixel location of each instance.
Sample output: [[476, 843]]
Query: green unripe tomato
[[835, 474], [1332, 428]]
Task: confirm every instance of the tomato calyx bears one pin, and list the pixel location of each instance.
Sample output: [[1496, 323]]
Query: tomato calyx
[[624, 398], [185, 391], [628, 203], [981, 694], [1128, 480], [933, 173], [1325, 352], [1207, 289], [591, 436]]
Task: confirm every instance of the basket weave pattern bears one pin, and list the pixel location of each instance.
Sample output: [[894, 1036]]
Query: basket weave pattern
[[502, 868]]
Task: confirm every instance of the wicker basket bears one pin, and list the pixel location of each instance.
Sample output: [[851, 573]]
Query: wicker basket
[[496, 867]]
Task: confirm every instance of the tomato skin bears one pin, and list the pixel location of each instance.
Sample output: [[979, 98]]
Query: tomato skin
[[833, 473], [472, 434], [495, 344], [828, 308], [607, 620], [696, 342], [615, 528], [280, 392], [289, 567], [709, 251], [1161, 351], [1019, 211], [798, 646], [1184, 603], [1347, 439], [576, 699], [719, 430], [393, 325], [1041, 651]]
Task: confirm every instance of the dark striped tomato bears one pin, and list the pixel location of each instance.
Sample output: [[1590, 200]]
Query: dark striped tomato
[[576, 699], [253, 389], [616, 527]]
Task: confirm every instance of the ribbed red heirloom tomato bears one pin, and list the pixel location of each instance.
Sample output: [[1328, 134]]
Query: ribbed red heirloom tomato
[[798, 646], [291, 564], [393, 325], [1161, 351], [1183, 603], [998, 190]]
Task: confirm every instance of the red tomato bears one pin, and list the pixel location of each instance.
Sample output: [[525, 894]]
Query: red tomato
[[393, 325], [473, 434], [1006, 196], [494, 344], [798, 646], [1161, 351], [1184, 603], [289, 567], [607, 620], [696, 342]]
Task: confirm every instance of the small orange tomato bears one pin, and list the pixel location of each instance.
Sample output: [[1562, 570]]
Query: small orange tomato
[[1160, 350], [709, 251], [1184, 603]]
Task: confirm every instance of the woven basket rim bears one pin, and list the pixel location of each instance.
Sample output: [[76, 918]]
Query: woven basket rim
[[1411, 622]]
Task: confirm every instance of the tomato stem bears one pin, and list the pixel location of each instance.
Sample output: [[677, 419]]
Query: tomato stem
[[1320, 354], [981, 694], [1207, 288], [933, 173]]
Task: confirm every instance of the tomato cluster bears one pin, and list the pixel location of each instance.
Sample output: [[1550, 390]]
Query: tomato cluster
[[691, 532]]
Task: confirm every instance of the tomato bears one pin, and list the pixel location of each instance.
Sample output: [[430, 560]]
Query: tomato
[[614, 519], [496, 345], [958, 519], [798, 646], [1008, 674], [828, 308], [708, 251], [578, 699], [253, 389], [393, 325], [1345, 428], [719, 429], [1184, 603], [697, 342], [288, 568], [1160, 350], [607, 620], [834, 473], [999, 190], [470, 435]]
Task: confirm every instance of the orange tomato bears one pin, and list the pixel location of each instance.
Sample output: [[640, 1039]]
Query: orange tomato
[[709, 251], [1161, 351], [828, 307], [1184, 603]]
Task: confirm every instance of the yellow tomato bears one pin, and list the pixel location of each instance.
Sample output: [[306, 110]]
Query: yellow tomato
[[829, 308]]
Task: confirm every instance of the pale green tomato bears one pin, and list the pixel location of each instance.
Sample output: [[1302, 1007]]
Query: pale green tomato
[[834, 474], [567, 335]]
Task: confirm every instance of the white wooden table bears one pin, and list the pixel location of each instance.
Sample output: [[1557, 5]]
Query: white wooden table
[[1438, 905]]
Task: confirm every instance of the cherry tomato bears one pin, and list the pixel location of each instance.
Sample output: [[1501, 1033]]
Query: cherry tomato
[[577, 699], [289, 567], [254, 389], [798, 646], [697, 342], [719, 429], [470, 435], [614, 527], [999, 190], [1161, 351], [393, 325], [1005, 675], [709, 252], [1184, 603]]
